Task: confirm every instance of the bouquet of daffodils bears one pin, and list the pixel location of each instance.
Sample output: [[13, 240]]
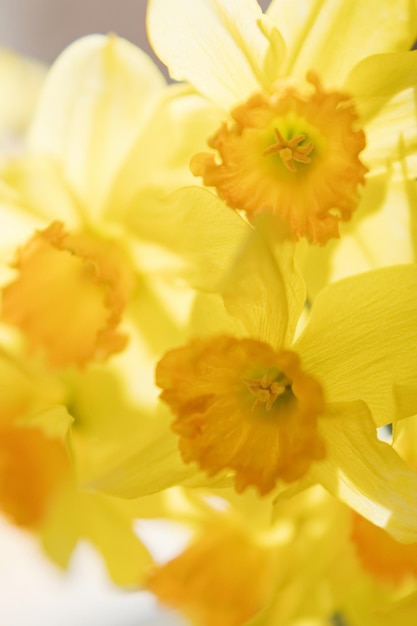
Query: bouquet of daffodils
[[209, 309]]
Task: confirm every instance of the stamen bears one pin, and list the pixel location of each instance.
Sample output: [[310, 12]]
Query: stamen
[[311, 198], [209, 385], [265, 390], [289, 150]]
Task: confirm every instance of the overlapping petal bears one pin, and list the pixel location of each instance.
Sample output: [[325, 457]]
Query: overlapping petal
[[216, 46], [361, 337], [324, 34], [365, 473], [92, 134]]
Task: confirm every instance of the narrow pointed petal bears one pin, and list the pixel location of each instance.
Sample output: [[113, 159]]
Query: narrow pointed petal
[[361, 340], [331, 36], [215, 45], [366, 473]]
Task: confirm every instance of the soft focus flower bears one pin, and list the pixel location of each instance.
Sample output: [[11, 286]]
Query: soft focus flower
[[98, 140], [241, 406], [304, 90]]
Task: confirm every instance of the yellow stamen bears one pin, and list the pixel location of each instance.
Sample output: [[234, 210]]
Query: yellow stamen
[[289, 150], [265, 390], [292, 155], [209, 385]]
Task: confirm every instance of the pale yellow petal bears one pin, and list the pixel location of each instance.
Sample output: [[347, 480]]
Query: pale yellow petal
[[378, 78], [361, 340], [107, 524], [97, 99], [216, 45], [181, 123], [263, 288], [382, 232], [366, 473], [194, 225], [331, 36], [154, 467], [34, 185], [54, 422], [20, 80]]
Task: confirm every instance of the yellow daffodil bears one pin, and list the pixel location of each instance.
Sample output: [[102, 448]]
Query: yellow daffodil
[[105, 131], [308, 87], [349, 370]]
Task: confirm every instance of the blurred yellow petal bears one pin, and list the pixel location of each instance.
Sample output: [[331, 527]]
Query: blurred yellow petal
[[216, 46], [107, 524], [377, 78], [361, 340], [333, 35], [34, 185], [154, 466], [21, 79], [366, 473], [97, 99], [263, 288], [382, 232], [34, 468], [193, 224], [179, 126]]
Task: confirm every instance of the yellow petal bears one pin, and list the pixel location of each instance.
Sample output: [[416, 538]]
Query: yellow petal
[[20, 79], [179, 128], [366, 473], [381, 233], [263, 288], [196, 226], [107, 524], [377, 78], [54, 422], [152, 468], [34, 187], [333, 35], [217, 46], [97, 98], [361, 340]]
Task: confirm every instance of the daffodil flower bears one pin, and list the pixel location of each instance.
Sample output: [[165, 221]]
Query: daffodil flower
[[304, 89], [265, 408], [105, 131]]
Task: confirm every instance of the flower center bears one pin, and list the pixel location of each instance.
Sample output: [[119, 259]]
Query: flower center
[[289, 150], [265, 390], [69, 295], [241, 406], [294, 155]]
